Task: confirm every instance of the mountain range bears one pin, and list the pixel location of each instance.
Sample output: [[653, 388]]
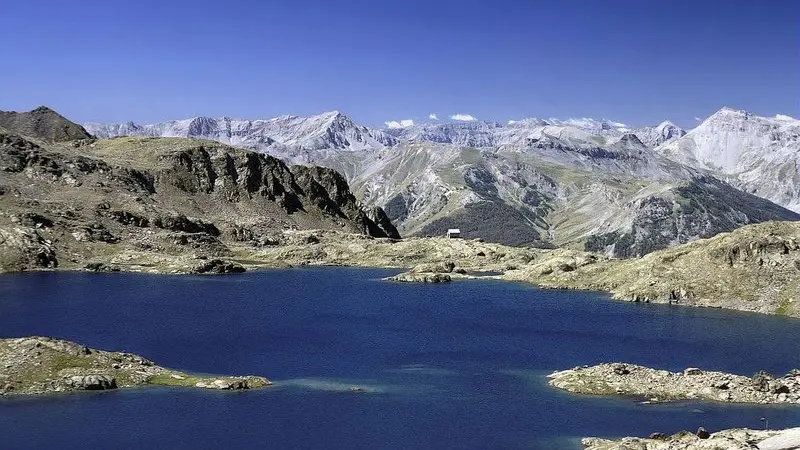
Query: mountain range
[[591, 184]]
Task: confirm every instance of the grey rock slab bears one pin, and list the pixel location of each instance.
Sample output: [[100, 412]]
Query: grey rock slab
[[786, 440]]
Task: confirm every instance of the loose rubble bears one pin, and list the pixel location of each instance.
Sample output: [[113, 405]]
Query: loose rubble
[[693, 383], [734, 439]]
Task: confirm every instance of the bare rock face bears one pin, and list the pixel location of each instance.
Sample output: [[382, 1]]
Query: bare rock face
[[91, 382], [377, 215], [23, 248], [784, 440]]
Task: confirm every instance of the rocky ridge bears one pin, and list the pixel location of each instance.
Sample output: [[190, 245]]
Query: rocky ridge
[[734, 439], [180, 203], [41, 365], [42, 123], [691, 384]]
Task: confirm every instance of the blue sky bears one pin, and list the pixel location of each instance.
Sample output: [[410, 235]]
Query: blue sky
[[636, 62]]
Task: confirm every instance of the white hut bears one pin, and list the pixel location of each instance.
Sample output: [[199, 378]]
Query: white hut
[[454, 233]]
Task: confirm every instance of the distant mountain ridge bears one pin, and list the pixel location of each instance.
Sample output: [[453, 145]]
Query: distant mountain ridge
[[598, 184], [760, 155]]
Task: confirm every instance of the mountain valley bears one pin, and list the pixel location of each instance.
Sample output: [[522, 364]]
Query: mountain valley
[[579, 183]]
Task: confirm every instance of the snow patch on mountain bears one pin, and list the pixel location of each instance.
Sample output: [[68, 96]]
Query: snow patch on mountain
[[289, 137], [760, 155]]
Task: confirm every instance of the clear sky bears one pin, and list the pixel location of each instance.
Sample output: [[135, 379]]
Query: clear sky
[[636, 62]]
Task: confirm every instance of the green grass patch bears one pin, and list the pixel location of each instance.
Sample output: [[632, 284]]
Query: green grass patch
[[167, 379]]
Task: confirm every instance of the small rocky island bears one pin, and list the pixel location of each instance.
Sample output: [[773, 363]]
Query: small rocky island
[[735, 439], [691, 384], [41, 365]]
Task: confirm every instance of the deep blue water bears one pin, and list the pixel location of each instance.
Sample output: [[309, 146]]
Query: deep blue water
[[461, 365]]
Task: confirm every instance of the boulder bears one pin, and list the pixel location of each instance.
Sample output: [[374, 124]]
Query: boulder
[[702, 433], [785, 440], [224, 384], [692, 371], [92, 382], [621, 369], [412, 277], [219, 266], [761, 381]]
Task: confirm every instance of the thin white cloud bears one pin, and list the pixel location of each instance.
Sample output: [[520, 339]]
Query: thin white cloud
[[463, 117], [583, 122], [784, 117], [405, 123], [617, 124], [698, 119], [512, 122], [433, 116]]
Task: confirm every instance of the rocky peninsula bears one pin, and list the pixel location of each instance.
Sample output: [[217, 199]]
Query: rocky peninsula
[[40, 365], [691, 384], [735, 439]]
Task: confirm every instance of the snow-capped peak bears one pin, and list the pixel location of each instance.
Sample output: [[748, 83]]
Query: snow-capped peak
[[761, 154], [331, 130]]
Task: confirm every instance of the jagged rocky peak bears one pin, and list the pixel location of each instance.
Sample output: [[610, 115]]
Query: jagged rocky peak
[[42, 123], [201, 126], [631, 140], [669, 130], [664, 132]]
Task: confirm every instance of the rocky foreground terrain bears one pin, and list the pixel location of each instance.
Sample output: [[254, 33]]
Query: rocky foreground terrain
[[175, 205], [736, 439], [40, 365], [691, 384]]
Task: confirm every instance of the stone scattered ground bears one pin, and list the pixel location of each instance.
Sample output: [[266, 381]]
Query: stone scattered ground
[[693, 383], [734, 439], [41, 365]]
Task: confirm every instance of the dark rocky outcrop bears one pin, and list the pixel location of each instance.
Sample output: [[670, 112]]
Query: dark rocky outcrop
[[24, 248], [186, 224], [382, 221], [219, 266]]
